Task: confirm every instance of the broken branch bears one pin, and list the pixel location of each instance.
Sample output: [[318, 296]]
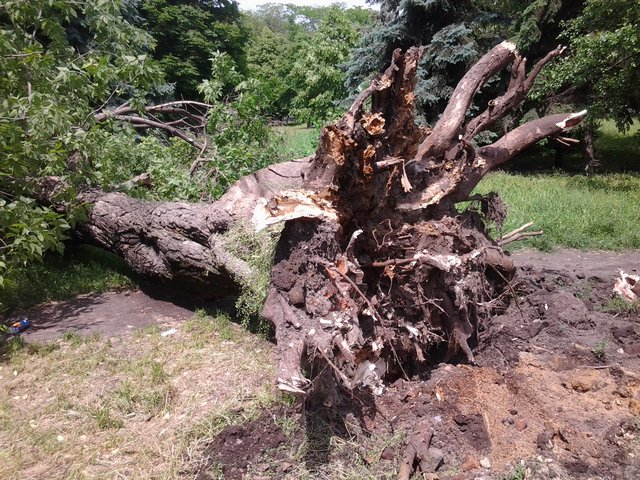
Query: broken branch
[[526, 135], [448, 127], [516, 231], [519, 87], [520, 236]]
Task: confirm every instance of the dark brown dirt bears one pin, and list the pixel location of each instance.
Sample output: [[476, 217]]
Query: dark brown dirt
[[239, 448], [557, 387]]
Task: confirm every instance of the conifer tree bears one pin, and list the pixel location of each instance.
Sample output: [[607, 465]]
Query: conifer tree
[[454, 34], [442, 27]]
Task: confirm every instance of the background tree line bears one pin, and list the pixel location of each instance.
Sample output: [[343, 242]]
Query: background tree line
[[66, 65]]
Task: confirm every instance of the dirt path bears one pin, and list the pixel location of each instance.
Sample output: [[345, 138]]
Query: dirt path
[[603, 265], [106, 314]]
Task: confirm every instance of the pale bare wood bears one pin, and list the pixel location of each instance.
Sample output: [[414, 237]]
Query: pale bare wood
[[515, 231], [520, 236]]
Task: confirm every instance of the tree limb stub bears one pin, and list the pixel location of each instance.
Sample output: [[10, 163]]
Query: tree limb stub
[[445, 173], [519, 87], [449, 125], [526, 135]]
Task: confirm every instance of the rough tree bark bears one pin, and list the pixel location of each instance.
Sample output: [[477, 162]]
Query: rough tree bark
[[376, 276], [178, 242]]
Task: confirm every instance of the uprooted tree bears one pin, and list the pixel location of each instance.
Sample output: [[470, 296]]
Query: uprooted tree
[[376, 275]]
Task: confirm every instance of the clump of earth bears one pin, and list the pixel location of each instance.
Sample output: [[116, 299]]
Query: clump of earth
[[555, 392]]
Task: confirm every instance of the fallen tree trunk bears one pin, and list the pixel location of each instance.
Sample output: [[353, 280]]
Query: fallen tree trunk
[[376, 276], [183, 243]]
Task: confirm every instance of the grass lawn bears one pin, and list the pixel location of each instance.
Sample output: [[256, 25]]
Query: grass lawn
[[298, 140], [590, 213], [141, 406], [585, 212], [621, 151]]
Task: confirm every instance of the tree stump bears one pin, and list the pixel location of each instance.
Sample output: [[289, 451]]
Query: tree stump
[[377, 275]]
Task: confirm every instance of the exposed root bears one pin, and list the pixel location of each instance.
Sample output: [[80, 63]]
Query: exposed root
[[519, 234], [375, 321]]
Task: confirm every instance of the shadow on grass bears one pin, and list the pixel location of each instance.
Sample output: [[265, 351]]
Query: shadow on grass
[[81, 270], [78, 277], [322, 424]]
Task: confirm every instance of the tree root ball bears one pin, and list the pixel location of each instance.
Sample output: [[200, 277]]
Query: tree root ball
[[377, 275], [369, 306]]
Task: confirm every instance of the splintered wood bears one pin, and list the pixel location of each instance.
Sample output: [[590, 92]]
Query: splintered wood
[[377, 276]]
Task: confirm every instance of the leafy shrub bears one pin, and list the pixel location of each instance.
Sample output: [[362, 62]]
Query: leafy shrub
[[240, 142], [59, 61], [119, 155]]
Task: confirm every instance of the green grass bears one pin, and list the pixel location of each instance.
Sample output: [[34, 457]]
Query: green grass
[[589, 213], [202, 326], [257, 249], [105, 418], [600, 350], [298, 140], [80, 270], [616, 151], [519, 472], [618, 305]]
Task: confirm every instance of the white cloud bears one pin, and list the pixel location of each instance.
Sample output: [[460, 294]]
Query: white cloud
[[251, 4]]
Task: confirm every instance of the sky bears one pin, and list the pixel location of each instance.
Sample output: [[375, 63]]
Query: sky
[[251, 4]]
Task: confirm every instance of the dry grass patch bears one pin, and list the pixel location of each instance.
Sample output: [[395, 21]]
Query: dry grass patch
[[138, 406]]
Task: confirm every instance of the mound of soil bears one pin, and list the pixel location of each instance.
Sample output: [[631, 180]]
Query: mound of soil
[[238, 448], [556, 388]]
